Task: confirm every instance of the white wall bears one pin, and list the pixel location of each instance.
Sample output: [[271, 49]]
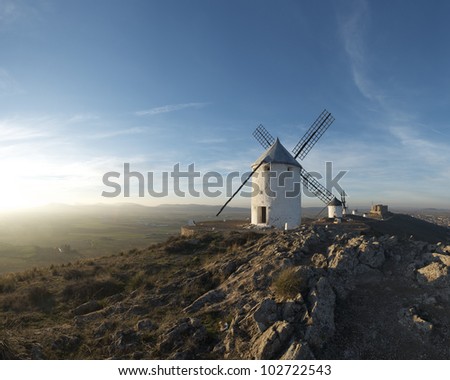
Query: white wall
[[335, 211], [280, 209]]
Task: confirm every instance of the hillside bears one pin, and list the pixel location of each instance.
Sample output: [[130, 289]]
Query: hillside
[[406, 226], [310, 293]]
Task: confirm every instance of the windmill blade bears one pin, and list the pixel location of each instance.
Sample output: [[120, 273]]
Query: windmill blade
[[263, 136], [315, 187], [239, 188], [313, 135], [343, 195], [321, 211]]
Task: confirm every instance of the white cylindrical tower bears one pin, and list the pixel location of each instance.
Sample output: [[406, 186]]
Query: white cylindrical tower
[[276, 198], [335, 208]]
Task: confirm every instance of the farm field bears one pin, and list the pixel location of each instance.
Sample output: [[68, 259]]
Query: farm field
[[58, 234]]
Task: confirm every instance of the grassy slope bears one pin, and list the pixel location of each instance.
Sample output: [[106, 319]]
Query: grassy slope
[[37, 306]]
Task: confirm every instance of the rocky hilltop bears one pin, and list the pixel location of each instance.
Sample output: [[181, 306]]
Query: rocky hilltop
[[310, 293]]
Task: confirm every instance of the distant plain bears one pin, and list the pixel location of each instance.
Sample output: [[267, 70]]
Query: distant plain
[[57, 234], [43, 236]]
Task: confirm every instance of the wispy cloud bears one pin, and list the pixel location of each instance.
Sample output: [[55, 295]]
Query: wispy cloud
[[169, 108], [24, 129], [439, 132], [115, 133], [352, 29], [82, 118], [211, 140], [420, 147]]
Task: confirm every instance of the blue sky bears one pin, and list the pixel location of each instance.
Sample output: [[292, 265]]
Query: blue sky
[[88, 85]]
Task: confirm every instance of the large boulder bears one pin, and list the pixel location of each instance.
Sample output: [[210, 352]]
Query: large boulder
[[435, 274], [409, 318], [371, 254], [319, 260], [266, 314], [298, 351], [322, 300], [273, 341], [444, 259], [185, 329], [342, 261], [211, 297], [293, 311]]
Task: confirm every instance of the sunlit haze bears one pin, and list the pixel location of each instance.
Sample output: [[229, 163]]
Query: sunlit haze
[[86, 86]]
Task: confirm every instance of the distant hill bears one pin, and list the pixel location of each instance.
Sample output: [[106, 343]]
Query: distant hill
[[406, 226]]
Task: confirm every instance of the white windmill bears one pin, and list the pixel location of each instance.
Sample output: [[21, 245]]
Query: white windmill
[[277, 175], [335, 208], [276, 202]]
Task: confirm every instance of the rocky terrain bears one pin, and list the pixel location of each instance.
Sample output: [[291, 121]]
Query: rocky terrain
[[315, 292]]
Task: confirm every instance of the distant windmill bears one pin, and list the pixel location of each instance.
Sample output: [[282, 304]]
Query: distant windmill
[[344, 204], [284, 209], [335, 208]]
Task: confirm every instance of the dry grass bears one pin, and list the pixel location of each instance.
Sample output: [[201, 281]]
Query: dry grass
[[161, 281], [8, 283], [288, 283]]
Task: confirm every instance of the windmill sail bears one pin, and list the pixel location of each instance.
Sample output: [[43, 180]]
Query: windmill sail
[[263, 136], [313, 135], [302, 148], [315, 187], [240, 187]]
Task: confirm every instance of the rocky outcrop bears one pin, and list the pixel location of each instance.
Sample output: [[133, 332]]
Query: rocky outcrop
[[87, 307], [322, 300], [272, 342], [314, 292], [298, 351], [211, 297], [435, 274], [444, 259], [356, 252], [410, 318], [266, 314], [174, 340]]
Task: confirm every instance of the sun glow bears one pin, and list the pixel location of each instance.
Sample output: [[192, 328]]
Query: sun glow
[[29, 183]]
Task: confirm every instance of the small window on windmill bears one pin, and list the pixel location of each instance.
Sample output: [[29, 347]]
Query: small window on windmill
[[289, 169], [267, 168]]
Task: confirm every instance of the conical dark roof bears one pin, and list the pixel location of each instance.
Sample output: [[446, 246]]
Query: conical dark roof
[[335, 202], [277, 154]]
